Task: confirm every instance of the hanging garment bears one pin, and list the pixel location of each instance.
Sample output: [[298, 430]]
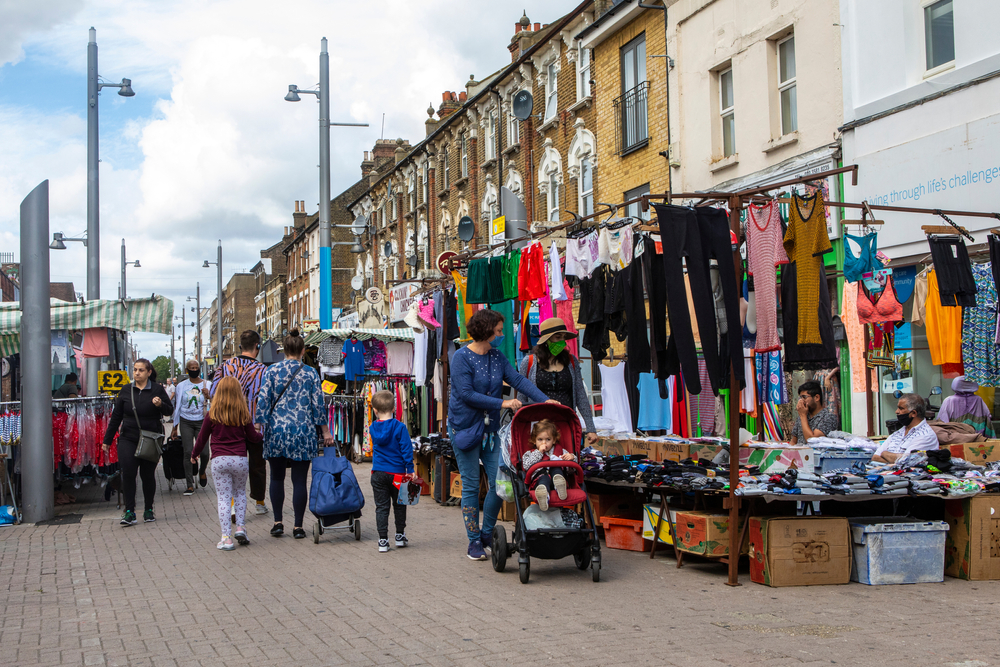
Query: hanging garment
[[531, 273], [420, 358], [581, 255], [882, 307], [510, 263], [703, 406], [919, 309], [592, 293], [799, 357], [748, 397], [855, 336], [95, 343], [354, 360], [614, 303], [716, 243], [806, 241], [980, 354], [564, 311], [399, 358], [656, 293], [478, 272], [464, 311], [614, 247], [881, 346], [556, 291], [374, 356], [859, 256], [944, 326], [764, 253], [770, 378], [956, 286], [655, 413], [637, 343], [614, 396]]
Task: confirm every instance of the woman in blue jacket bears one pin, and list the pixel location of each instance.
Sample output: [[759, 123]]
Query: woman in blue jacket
[[478, 373]]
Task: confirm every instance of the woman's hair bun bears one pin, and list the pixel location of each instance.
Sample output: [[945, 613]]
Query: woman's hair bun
[[293, 332]]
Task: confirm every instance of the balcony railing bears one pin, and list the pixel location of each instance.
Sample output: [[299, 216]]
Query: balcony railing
[[631, 119]]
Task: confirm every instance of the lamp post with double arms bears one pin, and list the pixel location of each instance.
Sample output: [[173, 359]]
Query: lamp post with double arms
[[218, 310]]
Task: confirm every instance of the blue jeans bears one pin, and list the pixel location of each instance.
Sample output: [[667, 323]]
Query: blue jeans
[[468, 468]]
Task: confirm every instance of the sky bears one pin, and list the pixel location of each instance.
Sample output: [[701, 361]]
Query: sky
[[208, 149]]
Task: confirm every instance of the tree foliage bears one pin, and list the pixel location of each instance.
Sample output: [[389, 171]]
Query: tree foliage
[[162, 365]]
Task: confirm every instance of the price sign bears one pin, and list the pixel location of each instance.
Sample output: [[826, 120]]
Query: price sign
[[328, 387], [111, 382]]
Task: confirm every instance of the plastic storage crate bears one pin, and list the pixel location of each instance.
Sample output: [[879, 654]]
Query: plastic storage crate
[[897, 550], [833, 459], [626, 534]]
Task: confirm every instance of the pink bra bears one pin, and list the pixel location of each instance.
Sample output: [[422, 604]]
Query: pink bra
[[884, 308]]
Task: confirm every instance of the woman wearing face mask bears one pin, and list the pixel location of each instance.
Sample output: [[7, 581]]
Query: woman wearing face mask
[[556, 372], [191, 398], [478, 373]]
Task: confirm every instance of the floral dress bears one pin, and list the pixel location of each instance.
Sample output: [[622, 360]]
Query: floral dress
[[290, 425]]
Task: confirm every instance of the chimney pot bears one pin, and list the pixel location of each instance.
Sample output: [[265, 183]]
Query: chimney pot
[[517, 28], [462, 97], [538, 26]]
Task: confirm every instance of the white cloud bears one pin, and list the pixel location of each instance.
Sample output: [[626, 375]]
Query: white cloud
[[23, 19]]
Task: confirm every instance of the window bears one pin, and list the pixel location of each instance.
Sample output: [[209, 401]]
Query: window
[[727, 112], [551, 91], [465, 155], [586, 185], [381, 215], [786, 85], [553, 196], [939, 33], [635, 210], [630, 108], [583, 74], [392, 204], [491, 135], [424, 182], [447, 168], [411, 190], [513, 129]]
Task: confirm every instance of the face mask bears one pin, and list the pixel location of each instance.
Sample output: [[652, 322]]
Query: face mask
[[904, 420], [555, 348], [497, 342], [193, 374]]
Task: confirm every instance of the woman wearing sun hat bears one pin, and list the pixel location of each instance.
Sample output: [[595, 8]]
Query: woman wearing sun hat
[[556, 372]]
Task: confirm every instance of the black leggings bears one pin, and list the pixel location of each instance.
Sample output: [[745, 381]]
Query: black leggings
[[385, 494], [956, 284], [300, 470], [130, 466]]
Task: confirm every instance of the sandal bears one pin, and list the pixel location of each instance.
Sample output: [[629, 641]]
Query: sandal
[[241, 536], [277, 530], [298, 533], [225, 544]]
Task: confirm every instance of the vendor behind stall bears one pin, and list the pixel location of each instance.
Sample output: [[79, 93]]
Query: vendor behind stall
[[914, 436], [813, 419], [966, 407]]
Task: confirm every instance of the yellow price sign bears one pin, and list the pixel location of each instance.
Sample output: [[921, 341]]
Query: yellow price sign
[[111, 382], [329, 387]]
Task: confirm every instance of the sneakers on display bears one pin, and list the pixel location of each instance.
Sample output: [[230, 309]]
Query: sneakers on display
[[559, 482], [383, 545], [128, 518], [542, 497], [401, 540], [148, 516], [261, 508], [476, 550]]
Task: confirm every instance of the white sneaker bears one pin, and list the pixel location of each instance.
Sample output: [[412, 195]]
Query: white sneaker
[[401, 540], [559, 482], [383, 546], [542, 497], [260, 509]]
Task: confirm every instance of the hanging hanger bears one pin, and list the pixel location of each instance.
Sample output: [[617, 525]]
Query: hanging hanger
[[945, 231], [867, 218]]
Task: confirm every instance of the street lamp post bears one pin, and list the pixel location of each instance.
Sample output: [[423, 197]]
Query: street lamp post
[[218, 310], [93, 190], [325, 257], [197, 317], [136, 264]]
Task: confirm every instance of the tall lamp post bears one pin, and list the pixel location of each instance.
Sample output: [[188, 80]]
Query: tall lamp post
[[325, 258], [93, 189], [218, 310], [197, 317], [136, 264]]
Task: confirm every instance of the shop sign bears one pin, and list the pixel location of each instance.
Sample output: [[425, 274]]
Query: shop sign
[[890, 386], [349, 321], [371, 315], [309, 326], [111, 382], [400, 299], [442, 261], [497, 229]]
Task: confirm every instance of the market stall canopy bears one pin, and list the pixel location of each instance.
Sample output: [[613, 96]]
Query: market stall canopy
[[317, 337], [153, 315]]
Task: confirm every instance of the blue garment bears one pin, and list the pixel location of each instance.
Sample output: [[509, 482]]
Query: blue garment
[[855, 266], [354, 360], [477, 386], [290, 429], [468, 467], [654, 412], [392, 449]]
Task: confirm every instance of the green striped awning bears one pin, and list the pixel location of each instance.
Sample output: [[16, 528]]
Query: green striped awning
[[153, 315], [317, 337]]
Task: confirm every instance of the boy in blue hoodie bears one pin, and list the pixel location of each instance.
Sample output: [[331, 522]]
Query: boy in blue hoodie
[[392, 464]]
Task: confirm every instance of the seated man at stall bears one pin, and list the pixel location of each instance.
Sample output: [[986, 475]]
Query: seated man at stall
[[916, 435], [69, 388], [813, 419]]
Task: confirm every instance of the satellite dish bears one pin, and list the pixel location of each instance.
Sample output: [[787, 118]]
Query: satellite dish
[[466, 228], [357, 282], [412, 260], [360, 225], [522, 104], [388, 248]]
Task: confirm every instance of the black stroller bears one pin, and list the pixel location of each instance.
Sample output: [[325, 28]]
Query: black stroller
[[549, 543], [334, 496], [173, 461]]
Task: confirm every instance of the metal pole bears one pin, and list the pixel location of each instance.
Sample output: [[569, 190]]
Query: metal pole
[[93, 201], [183, 337], [123, 270], [218, 331], [173, 356], [325, 255], [36, 360], [197, 309]]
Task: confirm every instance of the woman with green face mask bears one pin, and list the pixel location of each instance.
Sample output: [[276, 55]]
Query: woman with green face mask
[[557, 373]]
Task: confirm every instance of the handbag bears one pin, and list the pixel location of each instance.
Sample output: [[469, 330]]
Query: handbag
[[150, 445]]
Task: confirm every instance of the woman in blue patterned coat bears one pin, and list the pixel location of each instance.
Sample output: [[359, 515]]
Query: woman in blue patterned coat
[[290, 407]]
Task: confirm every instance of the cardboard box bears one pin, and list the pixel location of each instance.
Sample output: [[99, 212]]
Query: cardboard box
[[972, 548], [672, 451], [650, 518], [702, 533], [700, 451], [644, 448], [778, 459], [613, 447], [800, 551], [622, 505], [977, 452], [456, 485], [508, 512], [422, 466]]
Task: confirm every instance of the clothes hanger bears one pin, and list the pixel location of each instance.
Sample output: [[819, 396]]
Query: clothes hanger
[[946, 231]]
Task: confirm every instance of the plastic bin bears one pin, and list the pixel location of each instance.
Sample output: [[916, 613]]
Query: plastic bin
[[897, 550], [827, 460], [626, 534]]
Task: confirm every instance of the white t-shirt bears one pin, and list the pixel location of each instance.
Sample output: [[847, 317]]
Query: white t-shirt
[[399, 358], [917, 438]]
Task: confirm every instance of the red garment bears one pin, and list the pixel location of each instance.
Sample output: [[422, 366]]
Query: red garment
[[531, 273], [883, 307], [95, 343], [564, 311]]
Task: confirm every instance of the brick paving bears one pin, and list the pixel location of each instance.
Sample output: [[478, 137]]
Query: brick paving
[[93, 593]]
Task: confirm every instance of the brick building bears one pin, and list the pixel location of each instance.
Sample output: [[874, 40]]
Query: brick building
[[270, 268], [237, 311]]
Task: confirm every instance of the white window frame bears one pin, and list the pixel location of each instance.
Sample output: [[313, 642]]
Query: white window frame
[[586, 204], [447, 167], [490, 149], [925, 6], [424, 182], [465, 155], [411, 189], [727, 113], [785, 86], [513, 129], [552, 196], [583, 64], [551, 90]]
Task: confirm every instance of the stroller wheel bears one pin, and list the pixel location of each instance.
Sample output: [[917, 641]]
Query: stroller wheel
[[316, 529], [357, 531], [595, 567], [582, 559], [525, 571], [499, 550]]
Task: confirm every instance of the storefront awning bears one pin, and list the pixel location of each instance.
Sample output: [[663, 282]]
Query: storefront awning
[[317, 337], [153, 315]]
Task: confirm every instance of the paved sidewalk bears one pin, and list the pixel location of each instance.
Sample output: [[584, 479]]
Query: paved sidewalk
[[93, 593]]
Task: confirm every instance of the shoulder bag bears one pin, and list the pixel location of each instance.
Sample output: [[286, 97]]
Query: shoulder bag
[[150, 445]]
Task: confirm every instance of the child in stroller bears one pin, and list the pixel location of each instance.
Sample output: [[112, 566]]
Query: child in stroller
[[544, 439]]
